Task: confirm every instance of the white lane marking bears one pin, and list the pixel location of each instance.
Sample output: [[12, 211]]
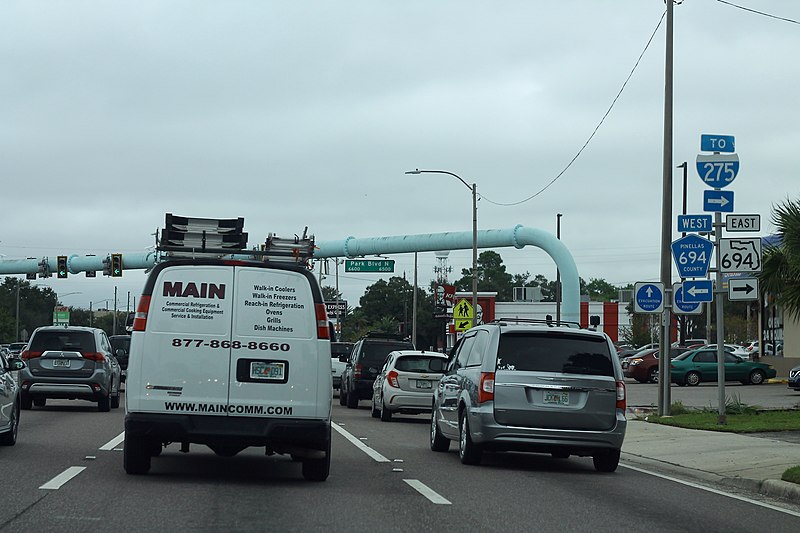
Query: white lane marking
[[715, 491], [110, 445], [428, 492], [63, 477], [360, 445]]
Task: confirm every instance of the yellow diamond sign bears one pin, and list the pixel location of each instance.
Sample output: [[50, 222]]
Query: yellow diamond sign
[[463, 315]]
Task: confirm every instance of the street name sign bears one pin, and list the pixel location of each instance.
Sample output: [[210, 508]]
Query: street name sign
[[743, 222], [717, 143], [648, 297], [336, 311], [695, 224], [740, 255], [692, 255], [717, 170], [463, 314], [698, 290], [369, 265], [718, 201], [742, 289], [681, 307]]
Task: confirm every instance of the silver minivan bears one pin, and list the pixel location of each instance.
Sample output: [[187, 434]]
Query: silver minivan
[[522, 385]]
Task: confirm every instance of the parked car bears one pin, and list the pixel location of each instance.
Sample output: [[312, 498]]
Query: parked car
[[689, 342], [339, 350], [643, 367], [70, 362], [735, 349], [524, 385], [754, 350], [368, 356], [794, 378], [9, 398], [405, 383], [696, 366]]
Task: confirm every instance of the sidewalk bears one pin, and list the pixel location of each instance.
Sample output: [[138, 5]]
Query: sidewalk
[[752, 463]]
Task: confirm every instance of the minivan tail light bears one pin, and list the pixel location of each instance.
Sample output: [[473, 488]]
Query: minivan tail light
[[391, 377], [323, 331], [486, 389], [94, 356], [140, 319], [27, 354], [621, 401]]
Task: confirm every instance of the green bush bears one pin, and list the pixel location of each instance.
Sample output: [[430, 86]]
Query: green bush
[[792, 475]]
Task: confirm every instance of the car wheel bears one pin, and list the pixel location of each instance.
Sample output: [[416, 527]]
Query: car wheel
[[352, 400], [115, 399], [26, 401], [342, 396], [318, 469], [9, 438], [439, 443], [757, 377], [606, 461], [386, 415], [692, 379], [376, 413], [155, 448], [469, 452], [652, 377], [135, 455], [104, 404], [40, 402]]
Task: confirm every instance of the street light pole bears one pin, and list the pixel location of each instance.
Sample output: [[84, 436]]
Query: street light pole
[[474, 189], [558, 272]]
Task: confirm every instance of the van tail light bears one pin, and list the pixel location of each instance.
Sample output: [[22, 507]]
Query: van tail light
[[323, 330], [391, 377], [94, 356], [621, 400], [486, 389], [140, 319], [27, 354], [357, 369]]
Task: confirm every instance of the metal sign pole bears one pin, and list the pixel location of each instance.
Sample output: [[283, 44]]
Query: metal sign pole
[[718, 302]]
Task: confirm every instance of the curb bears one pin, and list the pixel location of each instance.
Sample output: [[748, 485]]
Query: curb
[[777, 381], [774, 488]]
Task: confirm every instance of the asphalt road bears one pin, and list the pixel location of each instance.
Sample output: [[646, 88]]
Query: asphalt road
[[399, 486]]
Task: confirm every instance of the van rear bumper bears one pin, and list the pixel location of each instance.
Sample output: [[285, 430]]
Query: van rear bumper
[[279, 435]]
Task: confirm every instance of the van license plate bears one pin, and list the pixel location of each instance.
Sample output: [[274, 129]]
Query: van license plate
[[61, 362], [264, 370], [556, 398], [422, 384]]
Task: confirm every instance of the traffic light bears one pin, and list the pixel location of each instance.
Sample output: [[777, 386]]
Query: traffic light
[[30, 275], [116, 265], [91, 274], [61, 266]]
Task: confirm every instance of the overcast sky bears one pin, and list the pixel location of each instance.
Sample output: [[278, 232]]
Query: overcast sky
[[295, 114]]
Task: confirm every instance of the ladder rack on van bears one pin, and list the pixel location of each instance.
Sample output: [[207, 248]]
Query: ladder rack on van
[[546, 322]]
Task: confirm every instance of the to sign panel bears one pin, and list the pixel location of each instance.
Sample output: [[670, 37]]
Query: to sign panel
[[717, 170], [743, 289], [740, 255], [648, 297], [717, 143], [743, 222]]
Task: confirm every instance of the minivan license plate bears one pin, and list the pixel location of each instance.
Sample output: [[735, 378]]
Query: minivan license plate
[[556, 398], [264, 370], [61, 362]]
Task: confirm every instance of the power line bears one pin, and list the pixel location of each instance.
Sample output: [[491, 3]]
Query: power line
[[593, 132], [757, 12]]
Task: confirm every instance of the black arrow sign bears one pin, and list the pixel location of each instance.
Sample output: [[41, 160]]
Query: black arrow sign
[[747, 289], [463, 324]]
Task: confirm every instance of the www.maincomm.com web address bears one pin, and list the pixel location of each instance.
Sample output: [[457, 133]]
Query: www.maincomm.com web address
[[229, 409]]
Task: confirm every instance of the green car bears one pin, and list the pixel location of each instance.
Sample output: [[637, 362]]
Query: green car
[[690, 368]]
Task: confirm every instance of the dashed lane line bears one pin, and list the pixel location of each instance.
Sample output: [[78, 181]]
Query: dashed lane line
[[360, 445], [113, 443], [58, 481], [428, 492]]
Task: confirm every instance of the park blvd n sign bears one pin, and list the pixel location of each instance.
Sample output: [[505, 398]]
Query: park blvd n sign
[[692, 255], [369, 265]]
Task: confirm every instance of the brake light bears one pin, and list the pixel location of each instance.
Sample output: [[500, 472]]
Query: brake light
[[486, 389], [94, 356], [391, 377], [621, 401], [30, 355], [323, 331], [140, 319], [357, 371]]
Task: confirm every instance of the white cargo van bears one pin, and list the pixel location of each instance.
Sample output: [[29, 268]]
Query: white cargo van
[[230, 354]]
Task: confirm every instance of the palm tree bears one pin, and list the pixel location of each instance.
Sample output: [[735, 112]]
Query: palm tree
[[780, 275]]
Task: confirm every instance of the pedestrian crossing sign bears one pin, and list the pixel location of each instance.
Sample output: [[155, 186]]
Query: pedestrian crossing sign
[[463, 315]]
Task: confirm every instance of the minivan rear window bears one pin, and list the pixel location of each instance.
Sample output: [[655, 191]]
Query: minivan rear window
[[549, 352], [63, 341]]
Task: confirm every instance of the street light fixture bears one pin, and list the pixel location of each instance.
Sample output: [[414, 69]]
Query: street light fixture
[[474, 190]]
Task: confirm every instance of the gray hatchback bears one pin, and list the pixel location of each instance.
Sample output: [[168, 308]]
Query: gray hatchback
[[517, 385], [70, 362]]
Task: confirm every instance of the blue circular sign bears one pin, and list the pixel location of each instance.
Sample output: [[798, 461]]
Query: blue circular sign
[[684, 307], [649, 297]]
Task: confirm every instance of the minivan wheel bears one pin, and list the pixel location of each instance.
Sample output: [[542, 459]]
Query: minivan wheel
[[352, 401], [115, 399], [40, 402], [26, 401], [757, 377], [318, 469], [9, 438], [342, 397], [439, 443], [606, 461], [692, 379], [469, 452], [104, 404], [135, 455]]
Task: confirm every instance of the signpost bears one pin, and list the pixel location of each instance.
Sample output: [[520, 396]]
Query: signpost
[[369, 265], [717, 201], [680, 306], [334, 311], [742, 289], [463, 315], [695, 224], [648, 297], [740, 255], [717, 170], [692, 255], [743, 222]]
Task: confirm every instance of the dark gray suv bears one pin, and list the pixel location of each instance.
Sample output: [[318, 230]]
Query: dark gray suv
[[70, 362], [514, 385]]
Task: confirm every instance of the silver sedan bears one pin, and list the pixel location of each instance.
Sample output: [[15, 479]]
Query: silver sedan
[[405, 383]]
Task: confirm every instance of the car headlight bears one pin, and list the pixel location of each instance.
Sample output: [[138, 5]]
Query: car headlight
[[635, 361]]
